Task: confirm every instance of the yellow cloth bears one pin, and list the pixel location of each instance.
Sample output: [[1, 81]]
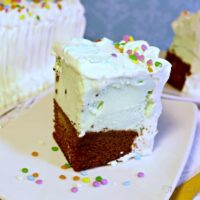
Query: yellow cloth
[[188, 190]]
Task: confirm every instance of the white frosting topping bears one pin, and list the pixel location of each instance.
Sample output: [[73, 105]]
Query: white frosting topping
[[99, 91], [26, 62], [95, 60], [186, 46]]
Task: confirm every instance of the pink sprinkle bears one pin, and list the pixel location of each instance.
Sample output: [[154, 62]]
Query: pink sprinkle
[[129, 52], [141, 58], [114, 55], [125, 38], [104, 181], [140, 174], [149, 62], [96, 184], [43, 5], [74, 189], [144, 47], [137, 55], [39, 181]]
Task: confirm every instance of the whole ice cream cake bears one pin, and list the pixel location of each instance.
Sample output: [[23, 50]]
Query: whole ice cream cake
[[28, 28], [107, 99]]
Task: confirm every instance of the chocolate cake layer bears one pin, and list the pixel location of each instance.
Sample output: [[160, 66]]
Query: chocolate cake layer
[[180, 70], [92, 150]]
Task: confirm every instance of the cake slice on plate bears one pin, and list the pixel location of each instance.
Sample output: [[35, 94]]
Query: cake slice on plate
[[107, 99], [184, 54]]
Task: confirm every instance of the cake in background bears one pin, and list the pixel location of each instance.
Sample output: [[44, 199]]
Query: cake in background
[[107, 100], [184, 54], [27, 31]]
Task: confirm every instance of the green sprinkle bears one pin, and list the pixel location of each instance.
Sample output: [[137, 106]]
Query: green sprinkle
[[38, 18], [122, 43], [116, 44], [100, 105], [99, 178], [141, 81], [150, 92], [158, 64], [67, 165], [24, 170], [54, 148], [133, 57]]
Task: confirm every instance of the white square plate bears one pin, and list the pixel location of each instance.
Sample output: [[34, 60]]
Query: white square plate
[[32, 131], [174, 94]]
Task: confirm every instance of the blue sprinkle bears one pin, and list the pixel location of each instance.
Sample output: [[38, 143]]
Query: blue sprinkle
[[137, 156], [126, 183], [30, 178], [84, 173]]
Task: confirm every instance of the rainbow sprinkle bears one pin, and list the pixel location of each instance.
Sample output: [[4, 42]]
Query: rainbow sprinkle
[[96, 184], [9, 5], [126, 183], [24, 170], [99, 178], [158, 64], [30, 178], [104, 181], [54, 148], [62, 177], [74, 189], [39, 181], [136, 55], [35, 174], [84, 173], [140, 174], [76, 178], [35, 154], [85, 180]]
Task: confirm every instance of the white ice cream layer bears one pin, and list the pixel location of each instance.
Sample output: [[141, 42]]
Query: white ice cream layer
[[99, 91], [186, 46]]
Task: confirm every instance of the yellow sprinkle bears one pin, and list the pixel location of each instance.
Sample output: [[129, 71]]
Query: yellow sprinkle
[[47, 6], [135, 61], [22, 17], [120, 49], [7, 2], [30, 14], [136, 49], [85, 180], [131, 38], [150, 69]]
